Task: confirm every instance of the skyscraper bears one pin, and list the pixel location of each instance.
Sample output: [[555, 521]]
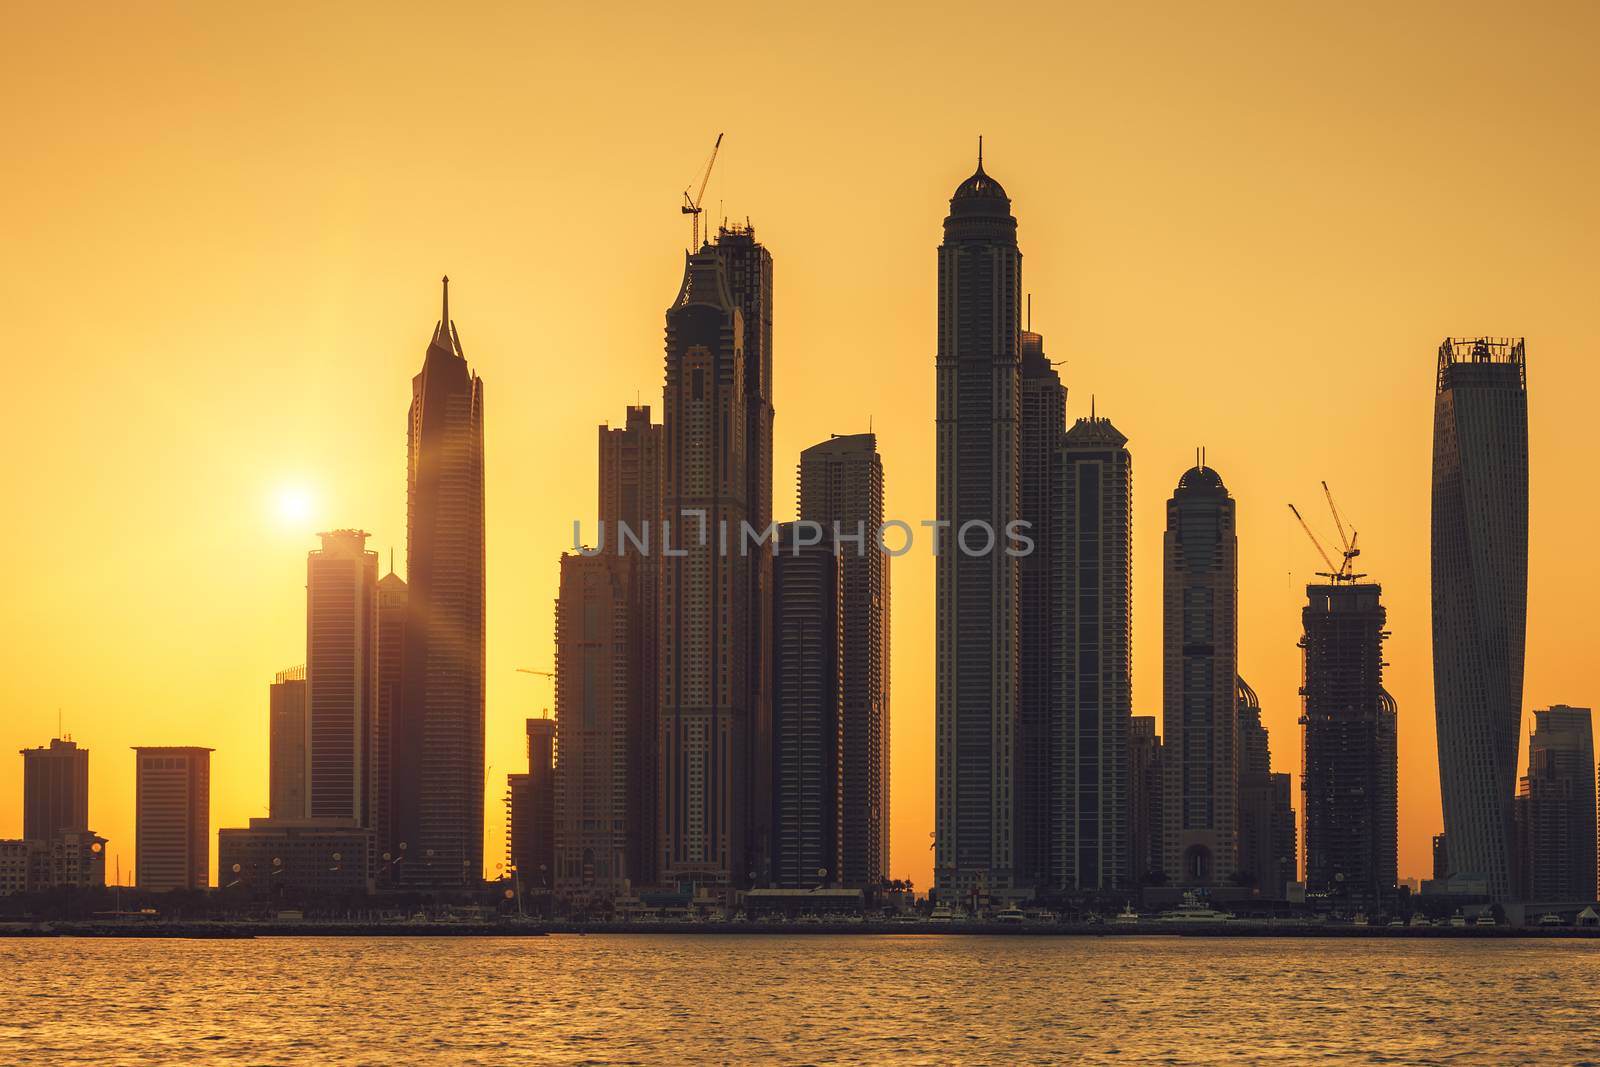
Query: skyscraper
[[1349, 777], [707, 644], [1556, 808], [748, 267], [976, 613], [55, 790], [1200, 657], [172, 818], [841, 489], [809, 821], [438, 732], [1266, 815], [594, 705], [341, 607], [1144, 799], [1091, 550], [1043, 421], [286, 737], [1480, 595], [389, 690], [531, 840], [630, 496]]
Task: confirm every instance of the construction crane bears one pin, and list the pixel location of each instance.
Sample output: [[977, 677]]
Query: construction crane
[[1345, 572], [691, 204], [543, 674]]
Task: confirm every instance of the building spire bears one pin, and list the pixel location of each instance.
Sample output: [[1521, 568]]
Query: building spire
[[980, 151], [444, 319]]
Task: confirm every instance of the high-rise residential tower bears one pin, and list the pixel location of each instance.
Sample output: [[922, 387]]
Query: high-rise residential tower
[[341, 609], [1091, 550], [389, 687], [531, 837], [1480, 595], [1144, 799], [979, 425], [437, 757], [747, 266], [172, 818], [1266, 814], [55, 790], [1348, 779], [1556, 808], [286, 738], [707, 645], [808, 818], [1200, 657], [841, 490], [630, 524], [594, 708], [1043, 421]]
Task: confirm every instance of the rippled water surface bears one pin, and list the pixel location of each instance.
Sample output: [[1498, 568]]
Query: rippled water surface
[[820, 999]]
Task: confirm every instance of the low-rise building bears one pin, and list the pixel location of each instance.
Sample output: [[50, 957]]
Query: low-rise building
[[300, 858]]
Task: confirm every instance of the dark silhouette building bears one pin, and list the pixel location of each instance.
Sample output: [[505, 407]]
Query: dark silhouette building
[[172, 818], [747, 266], [1480, 595], [286, 736], [594, 820], [1267, 857], [707, 643], [979, 429], [388, 694], [630, 524], [1043, 420], [1441, 858], [809, 740], [437, 763], [1144, 801], [341, 663], [1090, 547], [530, 842], [55, 790], [1200, 656], [1349, 775], [1555, 808], [841, 490]]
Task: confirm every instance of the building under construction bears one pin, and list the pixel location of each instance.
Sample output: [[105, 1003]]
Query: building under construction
[[1349, 776]]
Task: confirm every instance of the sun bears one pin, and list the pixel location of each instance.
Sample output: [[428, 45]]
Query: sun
[[293, 505]]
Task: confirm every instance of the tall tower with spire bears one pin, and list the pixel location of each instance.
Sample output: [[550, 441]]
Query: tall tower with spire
[[437, 741], [979, 427]]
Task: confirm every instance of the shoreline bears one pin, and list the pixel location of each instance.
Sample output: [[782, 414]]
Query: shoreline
[[1232, 928]]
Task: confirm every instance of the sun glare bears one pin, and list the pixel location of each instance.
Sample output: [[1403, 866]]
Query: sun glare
[[293, 506]]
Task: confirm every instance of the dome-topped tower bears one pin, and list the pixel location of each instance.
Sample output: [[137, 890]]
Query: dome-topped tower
[[980, 208]]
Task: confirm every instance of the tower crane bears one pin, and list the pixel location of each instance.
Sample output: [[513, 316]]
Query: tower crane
[[543, 674], [1345, 572], [691, 204]]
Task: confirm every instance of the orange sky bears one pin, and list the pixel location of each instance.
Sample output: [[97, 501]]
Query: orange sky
[[1242, 228]]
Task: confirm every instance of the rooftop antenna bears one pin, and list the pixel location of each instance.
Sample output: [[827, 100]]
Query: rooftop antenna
[[1091, 407], [1030, 312], [391, 559]]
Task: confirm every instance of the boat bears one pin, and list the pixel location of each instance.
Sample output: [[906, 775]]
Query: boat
[[1486, 920], [1458, 919], [1193, 911], [1012, 914], [1127, 916], [1360, 919], [942, 914], [1550, 918], [1419, 919], [1397, 921]]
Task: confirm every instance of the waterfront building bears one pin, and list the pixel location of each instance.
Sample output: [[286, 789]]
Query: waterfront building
[[1091, 551], [707, 641], [1200, 655], [1267, 834], [55, 789], [389, 672], [1555, 808], [1042, 824], [1349, 778], [841, 490], [1480, 595], [291, 860], [172, 817], [341, 645], [1144, 800], [630, 525], [808, 816], [978, 441], [286, 745], [437, 759], [594, 701]]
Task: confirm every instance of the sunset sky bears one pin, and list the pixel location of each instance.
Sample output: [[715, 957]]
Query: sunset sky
[[1244, 226]]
